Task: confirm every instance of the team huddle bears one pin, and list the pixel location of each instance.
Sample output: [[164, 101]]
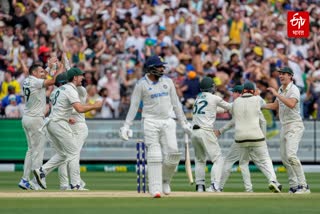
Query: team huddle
[[66, 129]]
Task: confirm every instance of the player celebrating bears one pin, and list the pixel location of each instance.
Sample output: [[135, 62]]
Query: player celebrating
[[34, 89], [234, 152], [80, 129], [248, 134], [158, 94], [288, 103], [203, 139], [64, 142]]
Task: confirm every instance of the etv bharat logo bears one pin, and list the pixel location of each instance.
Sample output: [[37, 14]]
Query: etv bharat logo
[[298, 24]]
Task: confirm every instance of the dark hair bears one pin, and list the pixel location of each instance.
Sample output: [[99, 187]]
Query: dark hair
[[34, 67]]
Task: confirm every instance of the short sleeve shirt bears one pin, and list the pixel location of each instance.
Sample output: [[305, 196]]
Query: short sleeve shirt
[[35, 97], [286, 114]]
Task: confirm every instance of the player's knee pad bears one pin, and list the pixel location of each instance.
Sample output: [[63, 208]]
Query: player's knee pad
[[154, 171], [172, 159], [154, 157], [170, 163], [293, 161]]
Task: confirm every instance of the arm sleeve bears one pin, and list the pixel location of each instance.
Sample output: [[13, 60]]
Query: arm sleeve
[[263, 124], [73, 96], [262, 102], [82, 94], [38, 83], [177, 107], [134, 106], [295, 94], [223, 104], [227, 127]]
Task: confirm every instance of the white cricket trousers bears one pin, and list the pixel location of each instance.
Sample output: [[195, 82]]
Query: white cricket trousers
[[205, 144], [290, 137], [261, 158], [36, 143], [160, 139], [80, 131], [232, 157], [67, 151]]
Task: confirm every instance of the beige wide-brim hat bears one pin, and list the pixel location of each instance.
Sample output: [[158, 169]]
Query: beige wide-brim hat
[[181, 69]]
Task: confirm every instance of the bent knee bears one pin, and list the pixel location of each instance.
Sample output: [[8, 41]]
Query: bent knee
[[294, 161]]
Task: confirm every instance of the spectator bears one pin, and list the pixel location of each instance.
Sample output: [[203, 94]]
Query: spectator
[[202, 35], [51, 18], [9, 81], [12, 110], [108, 108], [191, 86], [91, 98], [6, 101]]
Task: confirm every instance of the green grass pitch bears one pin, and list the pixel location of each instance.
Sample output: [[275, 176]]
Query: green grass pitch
[[100, 181]]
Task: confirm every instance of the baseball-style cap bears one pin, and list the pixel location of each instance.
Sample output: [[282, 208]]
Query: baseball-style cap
[[286, 70], [237, 88], [72, 72], [249, 86], [61, 78]]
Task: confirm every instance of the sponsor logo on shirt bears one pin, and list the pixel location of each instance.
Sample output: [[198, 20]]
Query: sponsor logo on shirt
[[159, 95]]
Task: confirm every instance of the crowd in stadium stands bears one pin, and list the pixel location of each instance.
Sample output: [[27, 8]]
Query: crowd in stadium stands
[[230, 41]]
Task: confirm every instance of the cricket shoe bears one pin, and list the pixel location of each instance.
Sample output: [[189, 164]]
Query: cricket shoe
[[35, 185], [200, 188], [293, 190], [41, 177], [166, 188], [156, 195], [77, 188], [275, 186], [303, 190], [82, 183], [24, 184], [212, 188]]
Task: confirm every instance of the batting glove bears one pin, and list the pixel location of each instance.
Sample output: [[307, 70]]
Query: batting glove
[[125, 133], [187, 127]]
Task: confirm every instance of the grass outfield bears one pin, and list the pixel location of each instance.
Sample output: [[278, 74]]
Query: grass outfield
[[105, 186]]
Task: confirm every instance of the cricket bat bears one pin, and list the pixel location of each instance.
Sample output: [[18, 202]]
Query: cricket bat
[[187, 159]]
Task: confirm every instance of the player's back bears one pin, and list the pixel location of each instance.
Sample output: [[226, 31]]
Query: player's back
[[35, 97], [246, 114], [205, 109]]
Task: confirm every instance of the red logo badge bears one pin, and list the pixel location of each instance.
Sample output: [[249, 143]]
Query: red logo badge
[[298, 24]]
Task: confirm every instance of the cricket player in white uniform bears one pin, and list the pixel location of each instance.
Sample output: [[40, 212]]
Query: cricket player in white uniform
[[80, 129], [159, 97], [34, 89], [64, 142], [288, 103], [234, 151], [203, 139], [246, 112], [233, 154]]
